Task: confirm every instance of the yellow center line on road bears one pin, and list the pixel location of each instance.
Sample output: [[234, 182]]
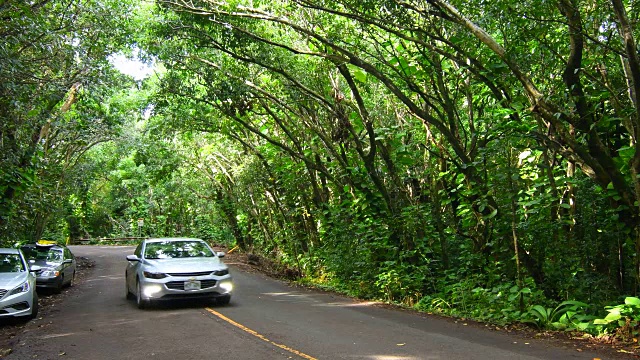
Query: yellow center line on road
[[259, 336]]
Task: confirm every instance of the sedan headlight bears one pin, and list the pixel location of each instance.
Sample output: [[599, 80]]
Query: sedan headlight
[[154, 275], [49, 273], [220, 272], [227, 286], [20, 289], [150, 290]]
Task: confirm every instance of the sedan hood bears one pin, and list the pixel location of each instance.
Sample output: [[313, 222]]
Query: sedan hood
[[182, 265], [11, 280], [45, 264]]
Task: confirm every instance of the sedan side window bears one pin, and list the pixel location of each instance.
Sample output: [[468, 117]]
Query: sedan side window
[[138, 251]]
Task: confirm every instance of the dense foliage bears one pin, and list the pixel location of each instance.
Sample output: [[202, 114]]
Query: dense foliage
[[59, 96], [468, 157]]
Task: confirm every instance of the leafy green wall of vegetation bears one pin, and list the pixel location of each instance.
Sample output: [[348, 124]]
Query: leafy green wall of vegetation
[[470, 158]]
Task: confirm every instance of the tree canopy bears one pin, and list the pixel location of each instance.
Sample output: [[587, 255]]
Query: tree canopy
[[432, 153]]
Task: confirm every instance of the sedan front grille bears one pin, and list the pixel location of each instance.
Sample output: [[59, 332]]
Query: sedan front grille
[[3, 292], [188, 274], [205, 284], [179, 285]]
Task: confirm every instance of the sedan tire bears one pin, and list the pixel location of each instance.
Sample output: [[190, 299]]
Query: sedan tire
[[142, 303], [223, 300], [34, 307], [128, 294], [59, 285], [73, 279]]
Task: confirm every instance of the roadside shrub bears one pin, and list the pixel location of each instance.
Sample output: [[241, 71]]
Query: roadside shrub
[[622, 320], [400, 283], [483, 299], [568, 315]]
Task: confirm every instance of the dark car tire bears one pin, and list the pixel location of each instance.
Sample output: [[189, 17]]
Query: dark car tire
[[59, 285], [73, 278], [35, 307], [140, 302], [223, 300], [128, 294]]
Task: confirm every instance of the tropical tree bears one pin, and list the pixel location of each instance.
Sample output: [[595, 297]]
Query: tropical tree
[[56, 97]]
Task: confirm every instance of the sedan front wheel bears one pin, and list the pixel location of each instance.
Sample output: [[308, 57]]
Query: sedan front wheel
[[128, 293], [223, 300], [142, 303], [59, 285], [73, 279], [34, 306]]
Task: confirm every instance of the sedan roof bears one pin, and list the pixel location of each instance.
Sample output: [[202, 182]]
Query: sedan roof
[[45, 246], [173, 239], [9, 251]]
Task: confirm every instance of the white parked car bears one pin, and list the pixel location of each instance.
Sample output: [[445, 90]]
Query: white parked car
[[165, 269], [18, 297]]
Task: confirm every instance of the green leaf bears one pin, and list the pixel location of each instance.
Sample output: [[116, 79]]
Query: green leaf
[[540, 312], [631, 300], [492, 215], [614, 314], [360, 75]]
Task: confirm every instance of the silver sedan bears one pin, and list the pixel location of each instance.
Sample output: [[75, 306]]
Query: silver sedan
[[18, 295], [166, 269]]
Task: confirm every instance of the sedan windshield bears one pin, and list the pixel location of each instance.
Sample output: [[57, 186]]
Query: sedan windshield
[[10, 263], [176, 249], [43, 253]]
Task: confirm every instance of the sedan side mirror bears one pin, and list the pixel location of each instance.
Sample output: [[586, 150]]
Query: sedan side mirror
[[220, 254], [132, 258]]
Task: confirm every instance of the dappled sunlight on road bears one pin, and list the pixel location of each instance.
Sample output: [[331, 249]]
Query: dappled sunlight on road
[[292, 296], [396, 357], [106, 277], [52, 336], [119, 323], [345, 304], [116, 323], [282, 294]]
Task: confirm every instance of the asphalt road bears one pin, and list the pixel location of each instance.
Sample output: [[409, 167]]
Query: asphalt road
[[267, 319]]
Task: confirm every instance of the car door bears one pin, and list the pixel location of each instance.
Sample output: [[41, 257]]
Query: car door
[[60, 258], [69, 265], [132, 267]]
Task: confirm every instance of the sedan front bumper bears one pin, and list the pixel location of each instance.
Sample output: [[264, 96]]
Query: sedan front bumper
[[54, 282], [173, 288], [17, 304]]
